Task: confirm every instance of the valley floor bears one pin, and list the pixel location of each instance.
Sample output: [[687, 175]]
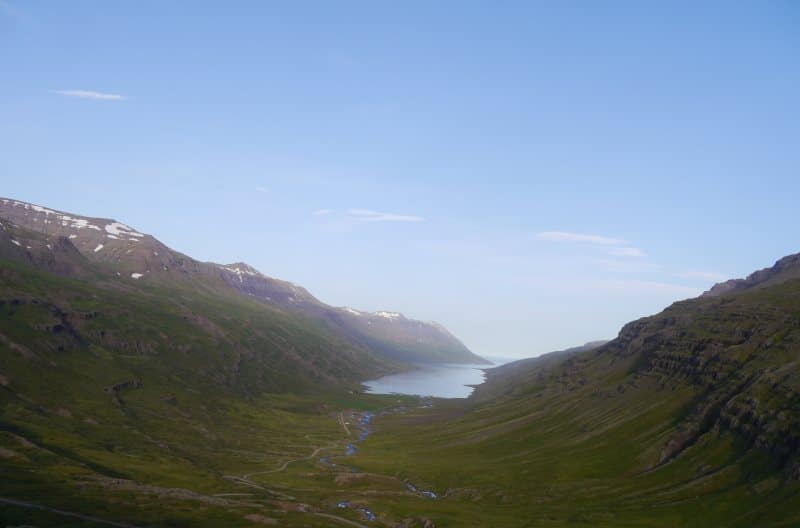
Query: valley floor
[[366, 460]]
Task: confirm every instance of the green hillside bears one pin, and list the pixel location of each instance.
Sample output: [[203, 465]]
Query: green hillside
[[160, 385], [689, 418]]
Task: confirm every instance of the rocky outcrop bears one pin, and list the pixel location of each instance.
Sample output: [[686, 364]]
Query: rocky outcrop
[[784, 269], [116, 390]]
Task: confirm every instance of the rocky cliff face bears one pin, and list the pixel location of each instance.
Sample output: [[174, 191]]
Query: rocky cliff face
[[741, 352]]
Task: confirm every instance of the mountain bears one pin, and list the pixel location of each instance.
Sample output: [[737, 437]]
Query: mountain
[[403, 339], [784, 269], [139, 386], [211, 395], [135, 400], [690, 417], [45, 237], [514, 373], [58, 301], [737, 351]]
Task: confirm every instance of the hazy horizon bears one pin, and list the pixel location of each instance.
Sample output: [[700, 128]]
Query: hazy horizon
[[531, 177]]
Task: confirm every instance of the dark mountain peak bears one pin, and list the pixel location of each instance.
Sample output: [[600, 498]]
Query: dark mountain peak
[[784, 269]]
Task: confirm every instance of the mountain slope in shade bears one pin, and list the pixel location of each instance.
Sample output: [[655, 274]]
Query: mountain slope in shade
[[137, 256], [737, 351]]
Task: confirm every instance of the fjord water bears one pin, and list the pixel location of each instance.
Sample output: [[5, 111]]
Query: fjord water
[[439, 380]]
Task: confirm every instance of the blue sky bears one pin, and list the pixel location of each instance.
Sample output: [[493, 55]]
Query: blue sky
[[532, 175]]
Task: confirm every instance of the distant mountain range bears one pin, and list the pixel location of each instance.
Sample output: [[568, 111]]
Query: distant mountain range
[[72, 245]]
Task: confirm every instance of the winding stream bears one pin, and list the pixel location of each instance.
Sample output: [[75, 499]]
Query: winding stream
[[364, 426]]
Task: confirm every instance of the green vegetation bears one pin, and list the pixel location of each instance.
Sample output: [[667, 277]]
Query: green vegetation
[[166, 404], [160, 386], [689, 418]]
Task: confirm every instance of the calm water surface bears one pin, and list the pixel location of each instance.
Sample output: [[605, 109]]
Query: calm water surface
[[440, 380]]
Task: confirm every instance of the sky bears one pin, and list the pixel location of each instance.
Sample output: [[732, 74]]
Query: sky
[[533, 175]]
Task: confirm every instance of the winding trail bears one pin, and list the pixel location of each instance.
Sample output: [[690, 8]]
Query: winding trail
[[245, 482], [363, 421], [344, 425], [283, 466]]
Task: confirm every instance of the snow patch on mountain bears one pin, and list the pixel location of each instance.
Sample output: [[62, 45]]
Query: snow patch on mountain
[[119, 229], [63, 219], [240, 271]]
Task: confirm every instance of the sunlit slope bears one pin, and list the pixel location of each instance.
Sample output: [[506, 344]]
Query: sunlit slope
[[689, 418]]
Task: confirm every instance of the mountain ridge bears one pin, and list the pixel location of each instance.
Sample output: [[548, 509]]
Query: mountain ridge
[[142, 257], [785, 268]]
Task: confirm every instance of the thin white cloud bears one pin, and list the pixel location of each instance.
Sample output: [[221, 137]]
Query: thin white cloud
[[89, 94], [366, 215], [261, 189], [704, 275], [615, 246], [322, 212], [627, 252], [565, 236]]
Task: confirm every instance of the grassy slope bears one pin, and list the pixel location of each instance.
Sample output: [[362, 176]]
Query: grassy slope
[[589, 441], [228, 389], [218, 386]]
